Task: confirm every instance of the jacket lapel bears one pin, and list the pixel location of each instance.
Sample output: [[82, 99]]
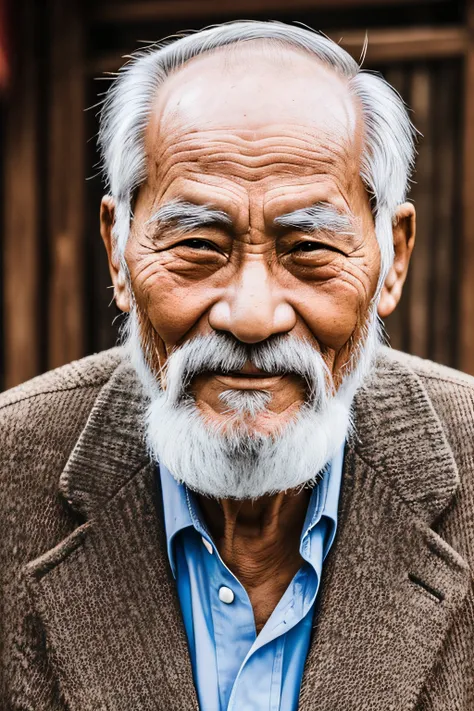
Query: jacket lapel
[[391, 585], [105, 594]]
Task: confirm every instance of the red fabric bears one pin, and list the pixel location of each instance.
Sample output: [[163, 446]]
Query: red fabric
[[4, 48]]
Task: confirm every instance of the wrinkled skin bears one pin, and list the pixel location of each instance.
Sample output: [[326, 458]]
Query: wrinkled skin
[[257, 133]]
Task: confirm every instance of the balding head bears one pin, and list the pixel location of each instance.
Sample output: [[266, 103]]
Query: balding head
[[257, 84]]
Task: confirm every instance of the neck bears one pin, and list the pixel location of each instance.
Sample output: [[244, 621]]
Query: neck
[[259, 542]]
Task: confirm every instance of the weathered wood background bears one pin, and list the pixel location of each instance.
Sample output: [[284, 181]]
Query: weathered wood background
[[55, 299]]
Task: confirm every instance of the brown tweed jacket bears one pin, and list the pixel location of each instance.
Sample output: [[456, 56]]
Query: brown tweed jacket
[[89, 617]]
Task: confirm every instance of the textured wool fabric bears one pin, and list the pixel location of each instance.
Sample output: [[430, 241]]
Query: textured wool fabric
[[89, 615]]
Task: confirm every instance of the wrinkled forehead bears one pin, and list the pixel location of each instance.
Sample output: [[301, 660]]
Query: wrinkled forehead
[[256, 89]]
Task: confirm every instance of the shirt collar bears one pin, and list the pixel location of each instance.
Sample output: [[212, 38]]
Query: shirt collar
[[176, 510], [322, 506], [181, 509]]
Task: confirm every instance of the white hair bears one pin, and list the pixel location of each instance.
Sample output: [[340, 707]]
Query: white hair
[[388, 155], [232, 460]]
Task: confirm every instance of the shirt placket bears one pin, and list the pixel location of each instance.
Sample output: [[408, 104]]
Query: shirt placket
[[233, 621], [232, 614]]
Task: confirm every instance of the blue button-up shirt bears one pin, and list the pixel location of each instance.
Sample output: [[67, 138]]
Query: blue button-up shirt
[[234, 668]]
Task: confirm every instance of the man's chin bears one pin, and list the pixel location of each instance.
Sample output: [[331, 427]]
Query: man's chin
[[266, 454]]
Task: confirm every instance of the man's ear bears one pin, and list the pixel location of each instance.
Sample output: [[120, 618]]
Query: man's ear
[[119, 279], [403, 242]]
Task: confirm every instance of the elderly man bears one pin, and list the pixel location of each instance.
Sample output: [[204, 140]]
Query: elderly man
[[252, 504]]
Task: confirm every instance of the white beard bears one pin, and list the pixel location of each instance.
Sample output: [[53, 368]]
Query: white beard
[[234, 462]]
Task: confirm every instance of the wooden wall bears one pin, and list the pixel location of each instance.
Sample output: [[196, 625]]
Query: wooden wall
[[427, 320], [53, 270]]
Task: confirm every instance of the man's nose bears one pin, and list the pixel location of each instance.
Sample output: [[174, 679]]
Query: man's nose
[[253, 308]]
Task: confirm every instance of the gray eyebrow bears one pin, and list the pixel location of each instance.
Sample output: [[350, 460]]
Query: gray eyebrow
[[187, 216], [321, 216]]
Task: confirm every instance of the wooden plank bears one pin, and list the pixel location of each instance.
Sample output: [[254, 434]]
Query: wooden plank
[[405, 44], [419, 275], [21, 206], [444, 235], [466, 321], [151, 10], [100, 306], [66, 184], [396, 323], [385, 46]]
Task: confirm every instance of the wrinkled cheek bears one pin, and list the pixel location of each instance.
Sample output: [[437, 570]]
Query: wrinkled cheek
[[153, 347], [336, 317], [334, 329], [332, 319], [178, 314], [147, 287], [173, 311]]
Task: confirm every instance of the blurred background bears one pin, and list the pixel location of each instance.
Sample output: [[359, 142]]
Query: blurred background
[[56, 59]]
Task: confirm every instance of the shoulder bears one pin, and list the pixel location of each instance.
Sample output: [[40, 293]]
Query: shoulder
[[405, 393], [430, 372], [40, 423], [449, 392], [81, 374], [41, 419]]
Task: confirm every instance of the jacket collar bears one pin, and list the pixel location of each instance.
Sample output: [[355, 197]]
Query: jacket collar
[[379, 627], [111, 448], [400, 437]]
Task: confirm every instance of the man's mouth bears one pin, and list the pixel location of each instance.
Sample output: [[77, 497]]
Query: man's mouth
[[248, 371], [249, 377]]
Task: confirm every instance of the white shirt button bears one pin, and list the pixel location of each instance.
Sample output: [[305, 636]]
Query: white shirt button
[[226, 595], [207, 545]]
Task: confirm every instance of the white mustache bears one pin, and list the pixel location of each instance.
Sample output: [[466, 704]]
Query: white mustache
[[221, 352]]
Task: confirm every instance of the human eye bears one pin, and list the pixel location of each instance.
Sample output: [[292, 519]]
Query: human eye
[[309, 246], [198, 244]]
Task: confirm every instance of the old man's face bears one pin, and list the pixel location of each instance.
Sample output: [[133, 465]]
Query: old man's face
[[253, 224]]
